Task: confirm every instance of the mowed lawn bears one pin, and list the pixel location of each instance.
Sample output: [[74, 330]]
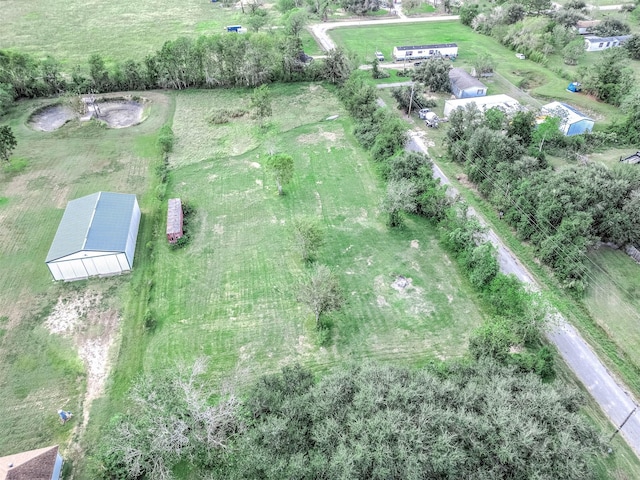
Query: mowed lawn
[[41, 372], [120, 29], [544, 83], [613, 298], [231, 293]]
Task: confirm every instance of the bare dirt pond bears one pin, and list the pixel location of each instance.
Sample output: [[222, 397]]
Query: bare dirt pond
[[51, 118]]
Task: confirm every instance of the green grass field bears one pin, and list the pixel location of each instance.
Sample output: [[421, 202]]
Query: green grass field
[[72, 30], [612, 298], [41, 372], [240, 306], [544, 83]]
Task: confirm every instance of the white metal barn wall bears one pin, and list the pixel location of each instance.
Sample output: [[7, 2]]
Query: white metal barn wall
[[130, 249], [86, 264]]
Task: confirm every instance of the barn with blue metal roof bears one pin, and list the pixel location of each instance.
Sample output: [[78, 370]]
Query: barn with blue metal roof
[[96, 237]]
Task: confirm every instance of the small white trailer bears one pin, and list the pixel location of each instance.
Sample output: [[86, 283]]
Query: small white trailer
[[418, 52]]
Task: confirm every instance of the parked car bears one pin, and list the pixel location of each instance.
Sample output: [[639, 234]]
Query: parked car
[[520, 56], [380, 56], [417, 64]]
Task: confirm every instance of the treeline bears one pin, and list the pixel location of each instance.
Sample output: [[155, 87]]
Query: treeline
[[205, 62], [561, 212]]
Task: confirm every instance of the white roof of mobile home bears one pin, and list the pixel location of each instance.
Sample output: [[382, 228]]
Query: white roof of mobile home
[[483, 103], [96, 236]]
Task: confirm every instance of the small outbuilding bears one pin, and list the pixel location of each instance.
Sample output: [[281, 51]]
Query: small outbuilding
[[42, 464], [585, 27], [633, 159], [505, 102], [597, 44], [463, 85], [175, 220], [96, 237], [419, 52], [572, 121]]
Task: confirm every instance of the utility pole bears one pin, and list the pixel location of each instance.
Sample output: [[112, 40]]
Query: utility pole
[[622, 424], [410, 100]]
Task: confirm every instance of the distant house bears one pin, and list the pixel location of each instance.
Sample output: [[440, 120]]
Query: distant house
[[505, 102], [174, 220], [572, 121], [420, 52], [96, 237], [42, 464], [633, 159], [464, 85], [585, 27], [596, 44]]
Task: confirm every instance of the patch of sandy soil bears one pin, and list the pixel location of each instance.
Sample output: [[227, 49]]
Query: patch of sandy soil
[[116, 113], [254, 165], [51, 118], [319, 137], [82, 317], [401, 287], [415, 244]]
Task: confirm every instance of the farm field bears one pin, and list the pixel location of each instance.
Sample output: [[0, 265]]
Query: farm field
[[543, 83], [41, 371], [231, 293], [117, 30]]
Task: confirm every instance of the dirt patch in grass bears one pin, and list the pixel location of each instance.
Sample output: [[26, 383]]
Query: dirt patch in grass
[[92, 328], [116, 112], [319, 137], [51, 118]]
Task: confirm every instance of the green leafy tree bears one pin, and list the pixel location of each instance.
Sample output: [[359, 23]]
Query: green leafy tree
[[407, 96], [280, 165], [494, 118], [337, 66], [484, 64], [521, 127], [6, 97], [468, 12], [476, 420], [258, 19], [360, 7], [320, 291], [7, 142], [610, 27], [308, 237], [573, 52], [261, 103], [295, 23], [609, 78], [632, 46], [433, 73], [401, 197]]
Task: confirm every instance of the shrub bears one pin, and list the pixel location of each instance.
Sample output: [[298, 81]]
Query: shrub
[[165, 139]]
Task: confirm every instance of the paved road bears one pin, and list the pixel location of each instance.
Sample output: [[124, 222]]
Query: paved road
[[614, 399], [319, 30]]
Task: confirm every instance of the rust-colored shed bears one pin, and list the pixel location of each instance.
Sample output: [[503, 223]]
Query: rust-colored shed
[[174, 220]]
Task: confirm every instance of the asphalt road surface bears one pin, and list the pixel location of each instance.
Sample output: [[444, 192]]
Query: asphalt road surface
[[614, 399]]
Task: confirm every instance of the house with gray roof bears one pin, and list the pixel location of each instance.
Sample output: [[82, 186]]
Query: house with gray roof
[[41, 464], [96, 237], [463, 85], [596, 44]]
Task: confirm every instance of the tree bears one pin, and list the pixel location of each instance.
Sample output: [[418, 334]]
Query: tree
[[610, 27], [473, 420], [280, 166], [433, 73], [495, 118], [483, 64], [295, 23], [401, 197], [6, 97], [573, 52], [258, 19], [360, 7], [408, 96], [337, 66], [468, 12], [632, 46], [308, 237], [521, 126], [170, 419], [98, 73], [609, 78], [321, 292], [7, 142], [261, 103]]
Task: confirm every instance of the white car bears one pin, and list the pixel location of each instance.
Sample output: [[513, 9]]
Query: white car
[[520, 56], [379, 56]]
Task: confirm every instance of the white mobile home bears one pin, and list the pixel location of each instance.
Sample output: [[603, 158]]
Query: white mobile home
[[596, 44], [96, 237], [504, 102], [420, 52]]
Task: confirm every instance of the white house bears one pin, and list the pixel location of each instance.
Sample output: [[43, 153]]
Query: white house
[[424, 51], [596, 44], [505, 102], [463, 85], [41, 464], [572, 121], [96, 237]]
